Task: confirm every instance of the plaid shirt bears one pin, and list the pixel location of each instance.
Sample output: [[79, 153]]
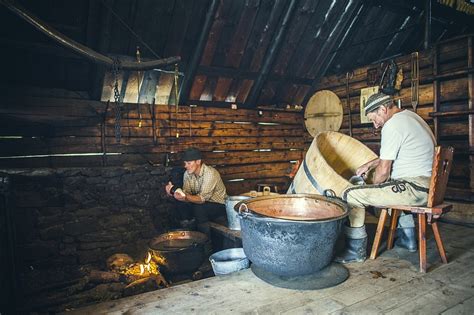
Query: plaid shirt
[[207, 184]]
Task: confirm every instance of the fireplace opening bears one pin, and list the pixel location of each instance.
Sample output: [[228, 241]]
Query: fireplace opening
[[78, 236]]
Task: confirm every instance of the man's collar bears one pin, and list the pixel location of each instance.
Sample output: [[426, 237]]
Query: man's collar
[[201, 171]]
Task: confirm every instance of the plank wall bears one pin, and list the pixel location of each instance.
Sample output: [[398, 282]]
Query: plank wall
[[247, 146], [446, 88]]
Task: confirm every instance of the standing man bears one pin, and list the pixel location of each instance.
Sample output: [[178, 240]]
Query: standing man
[[401, 176], [203, 193]]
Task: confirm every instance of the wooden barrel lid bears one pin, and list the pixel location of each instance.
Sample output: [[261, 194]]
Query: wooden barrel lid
[[323, 112]]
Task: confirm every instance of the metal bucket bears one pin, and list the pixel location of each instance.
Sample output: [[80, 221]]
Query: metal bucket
[[232, 217], [228, 261]]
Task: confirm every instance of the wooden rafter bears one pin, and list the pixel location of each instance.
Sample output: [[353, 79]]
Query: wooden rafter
[[270, 56]]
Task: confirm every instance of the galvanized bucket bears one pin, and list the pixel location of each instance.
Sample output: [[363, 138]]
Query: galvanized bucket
[[232, 217], [228, 261]]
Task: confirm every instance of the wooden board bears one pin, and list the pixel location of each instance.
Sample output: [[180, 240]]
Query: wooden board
[[323, 112], [389, 284]]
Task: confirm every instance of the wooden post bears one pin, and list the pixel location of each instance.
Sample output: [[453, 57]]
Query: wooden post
[[153, 122], [435, 93], [102, 135]]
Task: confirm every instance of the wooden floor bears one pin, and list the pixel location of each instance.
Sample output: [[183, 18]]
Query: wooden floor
[[390, 284]]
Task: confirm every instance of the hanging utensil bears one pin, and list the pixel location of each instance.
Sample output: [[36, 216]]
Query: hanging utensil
[[176, 95], [138, 88]]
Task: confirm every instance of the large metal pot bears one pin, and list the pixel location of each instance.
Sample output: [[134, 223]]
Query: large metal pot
[[291, 235], [178, 252]]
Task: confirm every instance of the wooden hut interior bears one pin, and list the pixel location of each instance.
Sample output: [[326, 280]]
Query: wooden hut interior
[[103, 99]]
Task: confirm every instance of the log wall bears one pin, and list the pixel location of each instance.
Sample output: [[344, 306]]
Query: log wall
[[247, 146], [445, 102]]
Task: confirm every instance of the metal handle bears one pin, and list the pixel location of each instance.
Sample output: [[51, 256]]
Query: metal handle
[[329, 193], [243, 213]]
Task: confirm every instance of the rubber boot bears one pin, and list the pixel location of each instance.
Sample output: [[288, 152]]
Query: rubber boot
[[356, 245], [406, 239]]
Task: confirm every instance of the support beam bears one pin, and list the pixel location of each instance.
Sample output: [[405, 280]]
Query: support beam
[[270, 56], [470, 64], [78, 47], [196, 58], [354, 25], [427, 41]]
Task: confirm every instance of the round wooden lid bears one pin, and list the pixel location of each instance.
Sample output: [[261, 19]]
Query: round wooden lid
[[323, 112]]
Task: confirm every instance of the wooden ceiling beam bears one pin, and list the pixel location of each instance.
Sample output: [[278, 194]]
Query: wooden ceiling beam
[[270, 56], [248, 75], [196, 58], [320, 62], [354, 25]]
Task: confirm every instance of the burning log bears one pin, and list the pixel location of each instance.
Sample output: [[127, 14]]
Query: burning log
[[119, 262], [144, 285], [96, 276]]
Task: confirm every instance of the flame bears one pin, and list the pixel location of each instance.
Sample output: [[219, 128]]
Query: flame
[[148, 268]]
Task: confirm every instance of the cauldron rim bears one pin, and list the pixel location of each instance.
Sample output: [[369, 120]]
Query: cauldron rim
[[199, 237], [336, 200]]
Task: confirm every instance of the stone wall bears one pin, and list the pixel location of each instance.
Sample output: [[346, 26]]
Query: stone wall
[[69, 219]]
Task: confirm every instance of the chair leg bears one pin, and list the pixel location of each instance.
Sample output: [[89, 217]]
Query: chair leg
[[422, 240], [393, 228], [439, 242], [378, 234]]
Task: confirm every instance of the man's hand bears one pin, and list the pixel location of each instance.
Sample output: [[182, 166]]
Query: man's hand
[[180, 195], [167, 188], [365, 168], [362, 170]]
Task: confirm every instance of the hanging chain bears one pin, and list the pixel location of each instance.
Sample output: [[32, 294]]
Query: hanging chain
[[176, 95], [139, 76], [118, 99]]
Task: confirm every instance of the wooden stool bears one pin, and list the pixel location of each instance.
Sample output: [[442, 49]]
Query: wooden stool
[[435, 208]]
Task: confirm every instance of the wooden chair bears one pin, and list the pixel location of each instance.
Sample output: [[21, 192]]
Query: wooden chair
[[435, 208]]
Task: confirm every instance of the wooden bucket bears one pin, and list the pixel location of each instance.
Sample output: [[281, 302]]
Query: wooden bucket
[[330, 161]]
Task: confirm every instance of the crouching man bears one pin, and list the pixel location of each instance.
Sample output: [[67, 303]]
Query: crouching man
[[203, 193]]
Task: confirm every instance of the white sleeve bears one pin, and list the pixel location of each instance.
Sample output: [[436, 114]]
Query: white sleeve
[[390, 143]]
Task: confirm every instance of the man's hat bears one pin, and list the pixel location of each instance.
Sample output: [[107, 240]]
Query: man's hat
[[375, 101], [192, 154]]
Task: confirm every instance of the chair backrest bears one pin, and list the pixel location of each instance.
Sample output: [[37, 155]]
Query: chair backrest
[[443, 158]]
